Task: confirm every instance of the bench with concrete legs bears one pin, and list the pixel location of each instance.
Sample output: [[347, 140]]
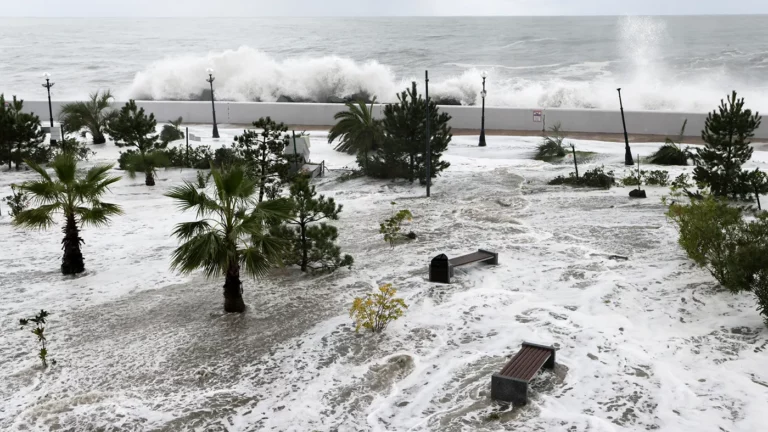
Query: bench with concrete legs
[[511, 384], [441, 267]]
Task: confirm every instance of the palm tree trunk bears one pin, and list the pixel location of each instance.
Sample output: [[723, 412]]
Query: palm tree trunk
[[304, 248], [72, 261], [149, 178], [98, 137], [233, 290]]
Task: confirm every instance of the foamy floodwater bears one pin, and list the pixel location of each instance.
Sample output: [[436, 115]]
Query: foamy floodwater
[[647, 343]]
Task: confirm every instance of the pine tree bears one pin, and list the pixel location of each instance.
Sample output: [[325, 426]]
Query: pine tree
[[404, 148], [311, 244], [131, 127], [21, 137], [263, 155], [727, 135]]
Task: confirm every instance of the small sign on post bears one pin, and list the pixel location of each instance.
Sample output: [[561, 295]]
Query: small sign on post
[[537, 116], [193, 137]]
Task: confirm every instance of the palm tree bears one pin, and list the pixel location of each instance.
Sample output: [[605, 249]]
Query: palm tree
[[358, 132], [92, 115], [231, 234], [172, 131], [76, 196]]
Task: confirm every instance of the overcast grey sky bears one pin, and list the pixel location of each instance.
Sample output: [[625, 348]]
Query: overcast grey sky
[[240, 8]]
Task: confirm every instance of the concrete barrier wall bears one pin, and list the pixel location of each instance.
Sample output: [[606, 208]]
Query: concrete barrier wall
[[463, 117]]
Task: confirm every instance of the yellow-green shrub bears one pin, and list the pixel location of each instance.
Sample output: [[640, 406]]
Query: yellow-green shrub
[[376, 310]]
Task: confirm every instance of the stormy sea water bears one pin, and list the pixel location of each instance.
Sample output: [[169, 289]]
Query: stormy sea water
[[663, 63]]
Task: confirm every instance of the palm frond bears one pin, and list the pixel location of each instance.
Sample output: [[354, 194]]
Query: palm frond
[[42, 191], [98, 214], [187, 230], [37, 218], [188, 197], [65, 167], [207, 251], [264, 253]]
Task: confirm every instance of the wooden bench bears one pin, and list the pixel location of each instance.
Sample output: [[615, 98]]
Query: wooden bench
[[441, 268], [511, 384]]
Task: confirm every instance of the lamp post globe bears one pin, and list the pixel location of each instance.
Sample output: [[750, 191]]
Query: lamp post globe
[[48, 84], [210, 81], [483, 94]]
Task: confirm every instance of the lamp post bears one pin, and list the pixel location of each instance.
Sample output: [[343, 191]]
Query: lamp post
[[210, 81], [628, 161], [48, 84], [482, 118], [428, 156]]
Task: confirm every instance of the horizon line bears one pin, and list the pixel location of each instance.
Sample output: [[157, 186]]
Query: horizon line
[[385, 16]]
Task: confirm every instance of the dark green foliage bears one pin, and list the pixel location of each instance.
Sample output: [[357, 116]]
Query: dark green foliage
[[402, 153], [92, 116], [131, 127], [231, 233], [226, 157], [392, 226], [735, 251], [263, 153], [21, 137], [74, 195], [357, 131], [311, 242], [172, 131], [596, 177], [39, 331], [727, 135], [552, 145], [80, 151], [202, 179], [17, 202], [671, 152], [649, 178], [199, 157]]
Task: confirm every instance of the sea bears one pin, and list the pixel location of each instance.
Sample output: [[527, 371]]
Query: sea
[[673, 63]]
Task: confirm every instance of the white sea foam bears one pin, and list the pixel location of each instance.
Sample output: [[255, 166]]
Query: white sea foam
[[246, 74]]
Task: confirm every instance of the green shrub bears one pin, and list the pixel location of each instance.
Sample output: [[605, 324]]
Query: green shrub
[[202, 179], [197, 157], [392, 226], [656, 177], [375, 311], [596, 177], [552, 145], [632, 180], [39, 331], [172, 131], [671, 153], [17, 202]]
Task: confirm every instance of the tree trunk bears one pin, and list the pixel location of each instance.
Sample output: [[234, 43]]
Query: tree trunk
[[18, 154], [98, 137], [72, 261], [233, 290], [149, 178], [304, 248], [263, 176]]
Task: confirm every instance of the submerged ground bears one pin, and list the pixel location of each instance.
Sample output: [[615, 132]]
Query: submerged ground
[[647, 343]]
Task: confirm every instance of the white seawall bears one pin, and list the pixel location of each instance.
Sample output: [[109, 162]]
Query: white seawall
[[463, 117]]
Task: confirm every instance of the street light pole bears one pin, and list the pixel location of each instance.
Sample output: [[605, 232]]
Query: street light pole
[[213, 104], [428, 155], [628, 161], [48, 84], [482, 119]]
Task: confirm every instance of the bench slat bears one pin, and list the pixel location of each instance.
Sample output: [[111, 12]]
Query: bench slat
[[526, 363], [468, 259]]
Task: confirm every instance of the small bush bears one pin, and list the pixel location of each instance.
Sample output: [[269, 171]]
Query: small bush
[[649, 178], [74, 147], [225, 157], [17, 202], [597, 178], [552, 145], [374, 311], [172, 131], [392, 226], [198, 157], [202, 179], [671, 153], [39, 331]]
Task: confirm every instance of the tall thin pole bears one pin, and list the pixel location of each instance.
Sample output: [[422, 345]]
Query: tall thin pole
[[295, 155], [213, 106], [429, 146], [628, 161], [187, 136], [48, 84], [482, 117]]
